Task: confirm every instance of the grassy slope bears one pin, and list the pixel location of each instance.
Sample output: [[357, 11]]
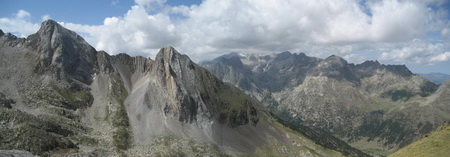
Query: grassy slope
[[300, 146], [436, 144]]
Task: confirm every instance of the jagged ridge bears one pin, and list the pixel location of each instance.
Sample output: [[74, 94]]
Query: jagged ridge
[[86, 102]]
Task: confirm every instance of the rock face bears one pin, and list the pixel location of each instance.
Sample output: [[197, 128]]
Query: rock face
[[372, 105], [59, 96], [15, 153], [62, 52]]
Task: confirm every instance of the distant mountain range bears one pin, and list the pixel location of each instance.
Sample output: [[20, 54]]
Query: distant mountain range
[[61, 97], [437, 78], [378, 108]]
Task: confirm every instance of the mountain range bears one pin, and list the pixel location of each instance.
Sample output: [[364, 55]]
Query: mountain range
[[436, 77], [61, 97], [377, 108]]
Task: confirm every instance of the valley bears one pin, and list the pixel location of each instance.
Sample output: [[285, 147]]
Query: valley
[[377, 108]]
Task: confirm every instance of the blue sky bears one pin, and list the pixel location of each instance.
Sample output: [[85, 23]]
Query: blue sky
[[90, 12], [411, 32]]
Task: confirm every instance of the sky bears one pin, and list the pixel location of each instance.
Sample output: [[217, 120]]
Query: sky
[[411, 32]]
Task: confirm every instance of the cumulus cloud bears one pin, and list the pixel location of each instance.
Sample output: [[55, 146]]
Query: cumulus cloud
[[418, 51], [137, 33], [390, 30], [19, 25], [441, 57]]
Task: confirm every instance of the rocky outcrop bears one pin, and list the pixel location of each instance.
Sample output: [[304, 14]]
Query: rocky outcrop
[[15, 153], [5, 102]]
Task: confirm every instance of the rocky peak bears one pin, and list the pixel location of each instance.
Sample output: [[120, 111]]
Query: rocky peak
[[49, 27], [233, 61], [104, 62], [167, 53], [134, 64], [51, 35], [10, 39], [334, 60], [367, 68], [401, 70], [284, 55], [223, 58], [335, 67], [232, 54], [170, 64], [370, 63], [62, 52], [302, 55], [167, 59]]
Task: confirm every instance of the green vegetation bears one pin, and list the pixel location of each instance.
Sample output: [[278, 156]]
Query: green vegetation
[[396, 95], [118, 93], [119, 117], [298, 145], [46, 96], [61, 97], [235, 99], [320, 138], [436, 143], [121, 136], [232, 106], [20, 130], [79, 98], [428, 88]]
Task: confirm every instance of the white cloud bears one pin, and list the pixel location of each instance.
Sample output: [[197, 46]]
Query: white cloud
[[22, 14], [135, 33], [45, 17], [441, 57], [151, 5], [398, 21], [418, 51], [19, 25], [393, 30]]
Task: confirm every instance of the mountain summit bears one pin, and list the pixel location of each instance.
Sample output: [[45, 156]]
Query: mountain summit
[[59, 96], [62, 52]]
